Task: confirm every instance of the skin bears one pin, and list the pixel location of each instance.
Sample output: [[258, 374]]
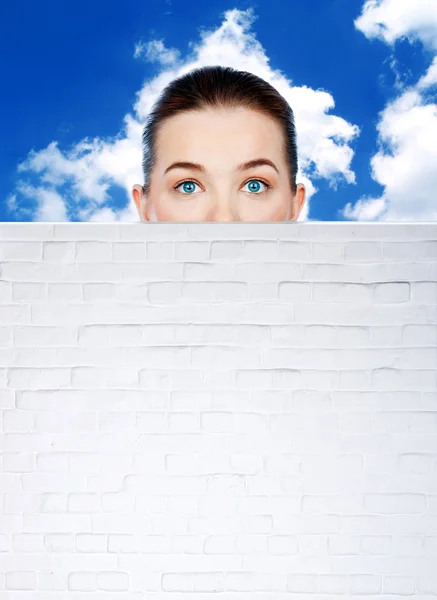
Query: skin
[[219, 140]]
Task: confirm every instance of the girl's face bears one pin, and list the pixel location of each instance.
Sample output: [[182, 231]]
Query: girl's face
[[219, 165]]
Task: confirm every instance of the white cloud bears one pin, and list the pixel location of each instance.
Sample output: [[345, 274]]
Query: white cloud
[[50, 205], [155, 51], [430, 77], [90, 168], [367, 209], [406, 163], [390, 20]]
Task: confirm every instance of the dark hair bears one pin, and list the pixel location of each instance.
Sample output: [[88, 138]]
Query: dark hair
[[219, 87]]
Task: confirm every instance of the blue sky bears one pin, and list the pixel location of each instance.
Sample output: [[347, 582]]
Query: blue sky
[[79, 78]]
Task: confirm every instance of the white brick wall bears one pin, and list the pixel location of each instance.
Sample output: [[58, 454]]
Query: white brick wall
[[218, 410]]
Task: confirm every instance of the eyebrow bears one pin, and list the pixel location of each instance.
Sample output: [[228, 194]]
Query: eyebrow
[[251, 164]]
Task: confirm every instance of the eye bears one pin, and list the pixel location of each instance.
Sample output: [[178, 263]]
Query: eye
[[255, 186], [187, 186]]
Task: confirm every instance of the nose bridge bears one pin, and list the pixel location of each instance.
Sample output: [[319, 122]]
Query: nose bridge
[[223, 206]]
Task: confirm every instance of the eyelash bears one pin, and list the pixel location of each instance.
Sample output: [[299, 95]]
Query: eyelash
[[268, 186]]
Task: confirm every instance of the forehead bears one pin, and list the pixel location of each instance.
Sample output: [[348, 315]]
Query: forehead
[[236, 134]]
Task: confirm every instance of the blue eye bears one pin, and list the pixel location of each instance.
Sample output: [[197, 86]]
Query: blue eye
[[187, 186], [254, 186]]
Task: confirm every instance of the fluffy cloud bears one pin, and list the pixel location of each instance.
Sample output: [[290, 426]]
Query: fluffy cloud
[[406, 164], [87, 172], [390, 20], [155, 51]]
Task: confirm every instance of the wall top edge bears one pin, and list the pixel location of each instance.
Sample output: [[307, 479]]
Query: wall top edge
[[171, 231], [149, 224]]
